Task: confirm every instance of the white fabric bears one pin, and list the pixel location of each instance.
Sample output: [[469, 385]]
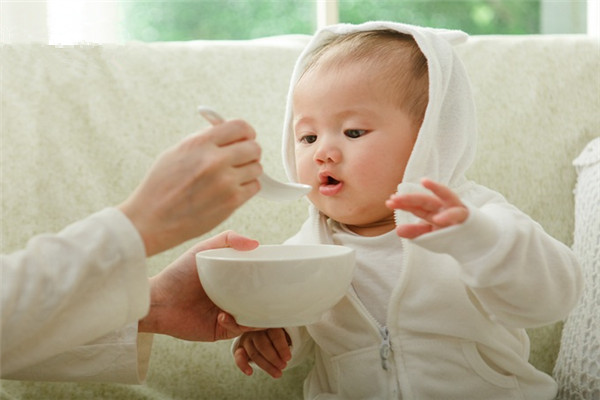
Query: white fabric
[[465, 293], [68, 289], [378, 266], [577, 368], [121, 356], [456, 315], [81, 124]]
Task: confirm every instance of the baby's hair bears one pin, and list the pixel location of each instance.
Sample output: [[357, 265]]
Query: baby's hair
[[403, 62]]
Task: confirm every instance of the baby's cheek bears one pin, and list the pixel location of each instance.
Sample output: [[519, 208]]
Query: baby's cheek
[[304, 169]]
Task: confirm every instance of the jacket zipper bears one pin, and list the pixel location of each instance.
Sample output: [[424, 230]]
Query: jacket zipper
[[384, 348]]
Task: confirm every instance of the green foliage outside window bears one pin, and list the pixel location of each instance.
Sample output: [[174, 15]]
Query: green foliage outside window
[[247, 19], [475, 17], [216, 19]]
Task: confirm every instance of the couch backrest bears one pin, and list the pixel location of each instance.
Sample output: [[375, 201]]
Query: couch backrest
[[538, 105], [80, 126]]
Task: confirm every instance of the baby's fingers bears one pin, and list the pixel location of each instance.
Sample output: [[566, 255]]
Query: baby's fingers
[[281, 342], [447, 196], [451, 216], [454, 211], [411, 231], [242, 360], [261, 351], [419, 204], [250, 353]]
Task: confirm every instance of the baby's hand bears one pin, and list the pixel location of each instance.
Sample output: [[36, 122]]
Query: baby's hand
[[441, 209], [269, 349]]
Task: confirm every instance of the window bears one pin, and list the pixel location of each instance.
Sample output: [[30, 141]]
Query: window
[[216, 19], [76, 21], [185, 20], [473, 17]]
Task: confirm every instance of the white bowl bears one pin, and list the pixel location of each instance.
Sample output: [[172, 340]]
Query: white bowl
[[276, 285]]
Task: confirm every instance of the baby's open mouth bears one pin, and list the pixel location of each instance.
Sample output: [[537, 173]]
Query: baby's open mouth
[[331, 181], [329, 185]]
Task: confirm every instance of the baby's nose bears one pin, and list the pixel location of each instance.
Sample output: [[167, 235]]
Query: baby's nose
[[328, 151]]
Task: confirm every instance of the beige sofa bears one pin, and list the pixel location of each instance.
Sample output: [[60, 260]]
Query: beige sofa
[[80, 125]]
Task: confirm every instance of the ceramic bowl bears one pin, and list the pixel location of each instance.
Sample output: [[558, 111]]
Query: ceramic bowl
[[276, 285]]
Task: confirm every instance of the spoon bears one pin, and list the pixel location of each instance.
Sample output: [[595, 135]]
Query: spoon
[[269, 188]]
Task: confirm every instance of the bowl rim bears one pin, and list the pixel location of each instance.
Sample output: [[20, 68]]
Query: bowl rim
[[221, 253]]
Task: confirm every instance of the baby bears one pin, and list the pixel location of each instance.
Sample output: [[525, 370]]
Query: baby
[[448, 274]]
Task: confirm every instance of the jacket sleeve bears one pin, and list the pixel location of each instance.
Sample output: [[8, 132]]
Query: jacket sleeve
[[121, 356], [521, 275], [302, 345], [67, 296]]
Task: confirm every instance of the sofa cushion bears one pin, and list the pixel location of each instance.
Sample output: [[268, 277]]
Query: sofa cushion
[[577, 368]]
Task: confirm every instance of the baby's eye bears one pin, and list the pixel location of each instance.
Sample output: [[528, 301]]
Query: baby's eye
[[354, 133], [308, 139]]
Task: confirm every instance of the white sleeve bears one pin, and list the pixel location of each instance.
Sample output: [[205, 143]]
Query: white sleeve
[[121, 356], [302, 345], [63, 291], [520, 274]]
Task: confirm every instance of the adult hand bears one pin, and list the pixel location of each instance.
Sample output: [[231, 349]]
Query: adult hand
[[438, 210], [179, 306], [195, 185]]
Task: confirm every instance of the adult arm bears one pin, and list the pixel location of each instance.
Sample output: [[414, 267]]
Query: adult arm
[[179, 307], [71, 288]]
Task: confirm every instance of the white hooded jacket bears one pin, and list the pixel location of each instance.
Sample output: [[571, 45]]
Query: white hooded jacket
[[456, 316]]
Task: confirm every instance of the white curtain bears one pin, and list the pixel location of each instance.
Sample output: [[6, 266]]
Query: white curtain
[[22, 21], [60, 21], [593, 18]]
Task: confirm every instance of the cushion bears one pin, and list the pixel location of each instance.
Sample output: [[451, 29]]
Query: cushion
[[577, 369]]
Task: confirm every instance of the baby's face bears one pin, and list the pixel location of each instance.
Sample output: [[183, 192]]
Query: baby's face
[[352, 144]]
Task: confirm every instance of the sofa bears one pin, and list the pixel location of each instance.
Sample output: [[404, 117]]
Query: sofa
[[81, 124]]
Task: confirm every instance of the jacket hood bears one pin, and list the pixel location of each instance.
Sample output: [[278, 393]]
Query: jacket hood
[[445, 146]]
